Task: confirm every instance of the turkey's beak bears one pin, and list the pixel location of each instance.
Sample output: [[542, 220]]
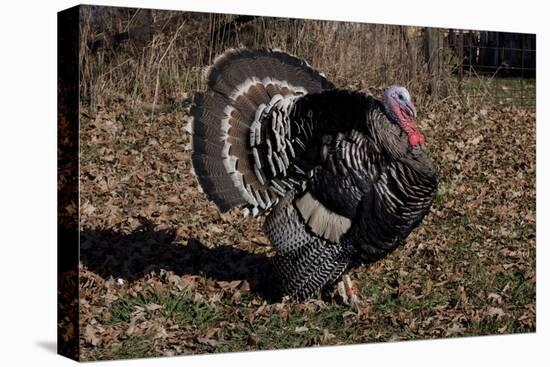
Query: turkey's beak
[[411, 110]]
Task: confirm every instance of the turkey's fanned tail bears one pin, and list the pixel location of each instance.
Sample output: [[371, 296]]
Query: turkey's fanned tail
[[239, 85]]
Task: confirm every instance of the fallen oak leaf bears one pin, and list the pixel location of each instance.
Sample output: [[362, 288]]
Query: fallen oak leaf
[[455, 330], [495, 297], [153, 307], [90, 336], [210, 342], [327, 335], [495, 311]]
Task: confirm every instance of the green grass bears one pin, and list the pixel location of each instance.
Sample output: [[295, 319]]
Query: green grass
[[298, 328], [89, 149], [133, 347], [502, 91], [273, 331], [176, 307]]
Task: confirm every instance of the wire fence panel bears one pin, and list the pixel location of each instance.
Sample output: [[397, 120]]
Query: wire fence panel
[[496, 66]]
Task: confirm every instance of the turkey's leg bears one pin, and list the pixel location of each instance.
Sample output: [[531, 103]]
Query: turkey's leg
[[347, 291]]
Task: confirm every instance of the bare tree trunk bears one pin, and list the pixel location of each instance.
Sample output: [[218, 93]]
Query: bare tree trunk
[[460, 46], [406, 32], [433, 47]]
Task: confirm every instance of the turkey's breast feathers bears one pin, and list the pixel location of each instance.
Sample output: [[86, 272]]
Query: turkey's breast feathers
[[344, 175], [366, 187]]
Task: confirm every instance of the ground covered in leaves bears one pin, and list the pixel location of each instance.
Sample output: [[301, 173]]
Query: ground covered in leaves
[[163, 273]]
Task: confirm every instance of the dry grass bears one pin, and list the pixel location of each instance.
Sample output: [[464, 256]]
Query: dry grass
[[163, 273], [164, 65]]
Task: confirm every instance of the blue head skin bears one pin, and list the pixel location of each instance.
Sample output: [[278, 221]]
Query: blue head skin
[[400, 110]]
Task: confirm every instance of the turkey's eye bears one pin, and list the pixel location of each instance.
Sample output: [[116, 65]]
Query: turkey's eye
[[400, 96]]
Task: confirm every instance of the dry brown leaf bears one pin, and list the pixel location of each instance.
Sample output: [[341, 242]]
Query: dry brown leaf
[[153, 307], [495, 311], [90, 336], [210, 342], [455, 330]]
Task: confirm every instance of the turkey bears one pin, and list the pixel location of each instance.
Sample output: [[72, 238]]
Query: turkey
[[340, 176]]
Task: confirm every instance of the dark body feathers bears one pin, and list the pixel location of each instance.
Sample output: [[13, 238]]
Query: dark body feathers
[[338, 181]]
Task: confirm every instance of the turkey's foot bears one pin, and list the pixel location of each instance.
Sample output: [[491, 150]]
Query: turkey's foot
[[347, 292]]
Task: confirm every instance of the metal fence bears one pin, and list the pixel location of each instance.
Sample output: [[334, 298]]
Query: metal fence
[[499, 66]]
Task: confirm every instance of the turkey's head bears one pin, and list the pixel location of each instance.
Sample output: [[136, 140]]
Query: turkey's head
[[400, 110]]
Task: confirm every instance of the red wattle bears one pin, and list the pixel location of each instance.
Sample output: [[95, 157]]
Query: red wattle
[[416, 138], [408, 124]]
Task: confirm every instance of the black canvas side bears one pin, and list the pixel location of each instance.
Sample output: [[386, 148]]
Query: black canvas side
[[67, 182]]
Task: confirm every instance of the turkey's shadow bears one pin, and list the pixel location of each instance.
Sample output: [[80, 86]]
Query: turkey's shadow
[[132, 256]]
